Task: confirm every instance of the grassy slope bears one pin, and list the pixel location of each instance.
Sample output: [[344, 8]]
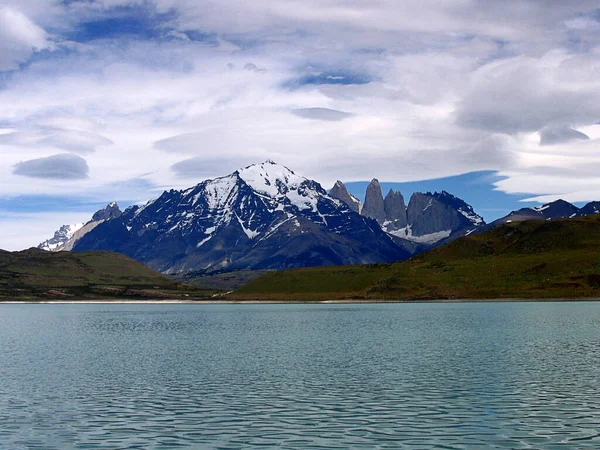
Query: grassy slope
[[38, 274], [526, 260]]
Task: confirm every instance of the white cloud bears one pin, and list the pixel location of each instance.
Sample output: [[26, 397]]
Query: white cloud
[[19, 38]]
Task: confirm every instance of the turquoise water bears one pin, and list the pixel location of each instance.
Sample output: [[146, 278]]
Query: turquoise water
[[453, 376]]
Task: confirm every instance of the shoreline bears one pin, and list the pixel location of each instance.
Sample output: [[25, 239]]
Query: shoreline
[[292, 302]]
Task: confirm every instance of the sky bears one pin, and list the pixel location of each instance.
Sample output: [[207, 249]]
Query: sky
[[118, 100]]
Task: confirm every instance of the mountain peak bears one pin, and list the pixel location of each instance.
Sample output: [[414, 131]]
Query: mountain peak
[[373, 206], [111, 211], [340, 192], [270, 178]]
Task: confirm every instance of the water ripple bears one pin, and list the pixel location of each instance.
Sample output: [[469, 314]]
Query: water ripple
[[235, 377]]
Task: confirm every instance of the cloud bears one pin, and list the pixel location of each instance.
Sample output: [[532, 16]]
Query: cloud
[[19, 38], [63, 167], [560, 134], [200, 168], [321, 114], [527, 94], [71, 140], [349, 90]]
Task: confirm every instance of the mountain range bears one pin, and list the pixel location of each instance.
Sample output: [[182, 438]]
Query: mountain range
[[265, 216], [428, 218]]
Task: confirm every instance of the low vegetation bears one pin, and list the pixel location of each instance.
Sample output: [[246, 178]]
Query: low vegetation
[[536, 259], [38, 274], [223, 280]]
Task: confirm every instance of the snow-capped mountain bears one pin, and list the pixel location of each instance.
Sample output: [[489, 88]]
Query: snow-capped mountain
[[428, 219], [263, 216], [65, 238], [60, 238]]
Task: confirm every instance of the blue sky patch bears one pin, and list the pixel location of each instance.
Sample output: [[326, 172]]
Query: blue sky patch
[[329, 77]]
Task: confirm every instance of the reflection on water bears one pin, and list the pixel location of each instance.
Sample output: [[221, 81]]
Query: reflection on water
[[478, 375]]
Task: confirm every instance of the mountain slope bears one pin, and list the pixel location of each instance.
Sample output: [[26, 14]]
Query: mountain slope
[[36, 273], [263, 216], [532, 259]]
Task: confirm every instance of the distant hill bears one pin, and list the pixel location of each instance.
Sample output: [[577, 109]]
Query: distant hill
[[532, 259], [39, 274]]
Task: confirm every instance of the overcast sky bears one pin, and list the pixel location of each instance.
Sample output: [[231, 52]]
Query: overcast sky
[[120, 99]]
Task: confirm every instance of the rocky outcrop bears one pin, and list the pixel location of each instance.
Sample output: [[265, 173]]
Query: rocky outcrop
[[112, 211], [395, 210], [340, 192], [432, 218], [373, 206], [427, 215]]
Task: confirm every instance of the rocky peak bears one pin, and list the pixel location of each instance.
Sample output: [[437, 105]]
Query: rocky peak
[[459, 205], [589, 209], [270, 178], [111, 211], [559, 209], [427, 215], [395, 209], [60, 238], [340, 192], [373, 206]]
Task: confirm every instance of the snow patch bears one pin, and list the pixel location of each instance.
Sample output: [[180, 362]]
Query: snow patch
[[217, 191], [250, 233], [541, 208], [203, 241], [432, 238], [473, 218]]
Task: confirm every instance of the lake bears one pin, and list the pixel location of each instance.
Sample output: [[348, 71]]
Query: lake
[[427, 375]]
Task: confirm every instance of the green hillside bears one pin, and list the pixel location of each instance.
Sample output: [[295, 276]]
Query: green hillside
[[37, 274], [554, 259]]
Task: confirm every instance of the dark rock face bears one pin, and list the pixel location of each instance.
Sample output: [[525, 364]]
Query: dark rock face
[[441, 213], [395, 210], [111, 211], [340, 192], [428, 215], [373, 206], [261, 217]]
